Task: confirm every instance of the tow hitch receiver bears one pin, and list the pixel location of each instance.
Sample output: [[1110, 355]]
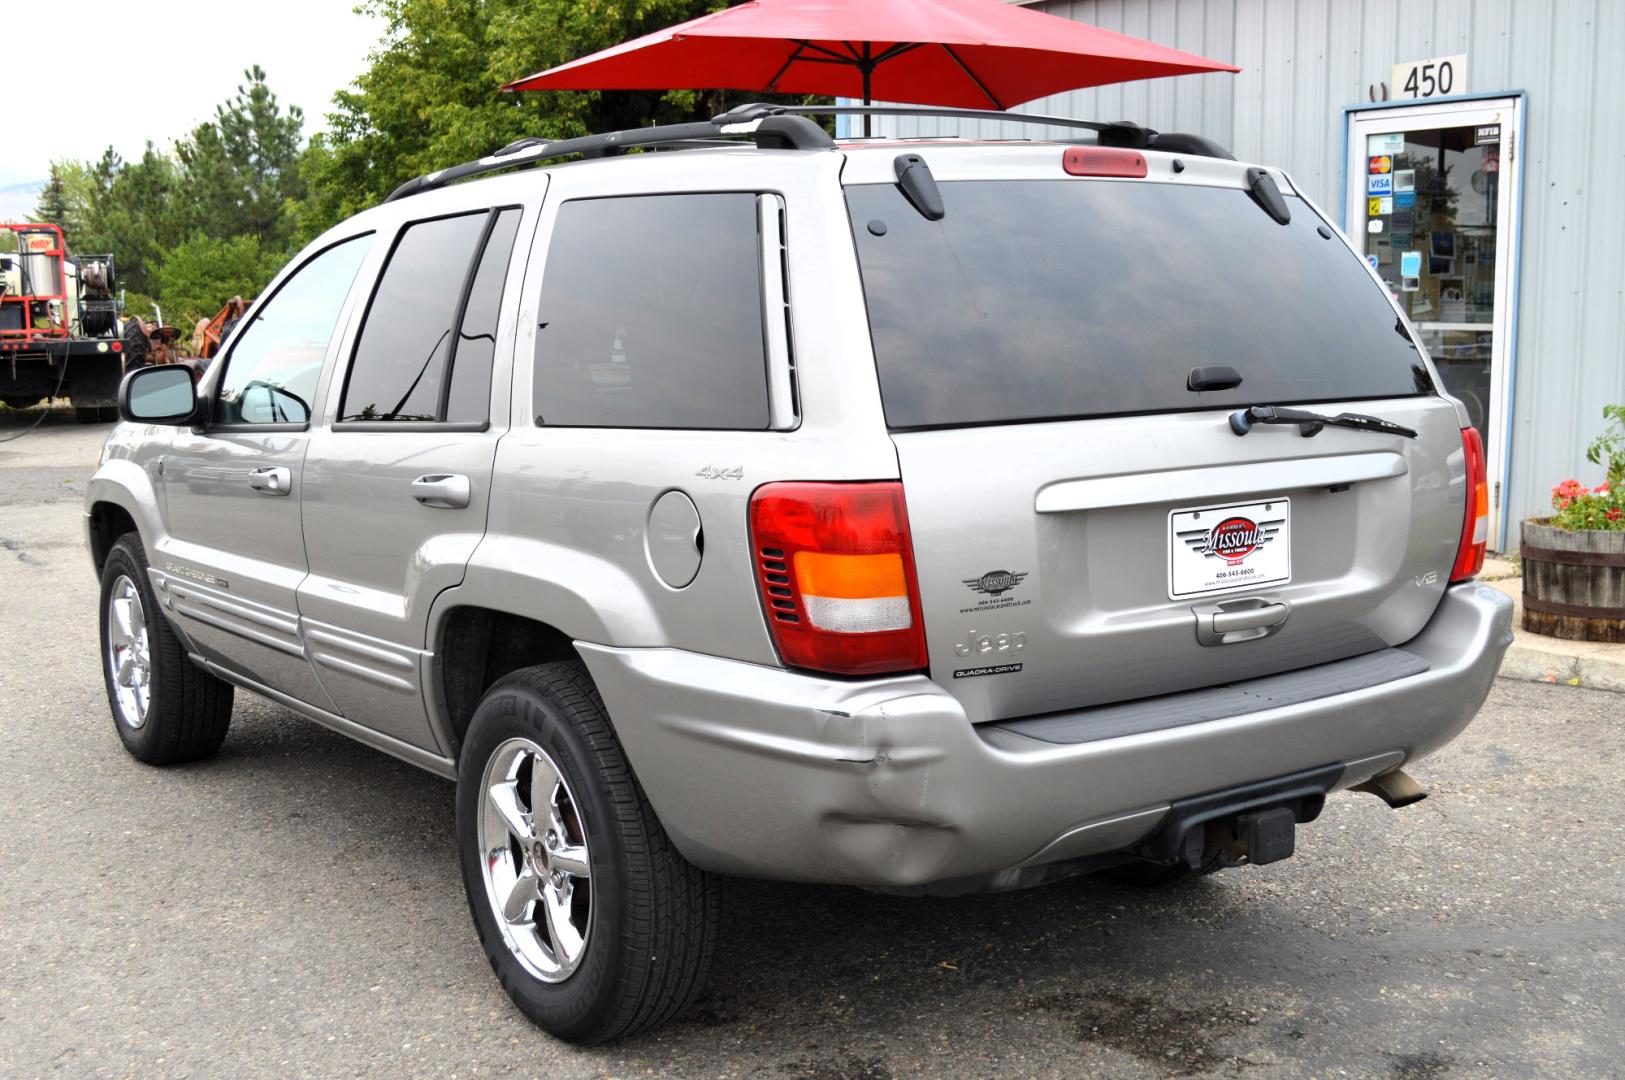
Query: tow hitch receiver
[[1268, 834], [1256, 823]]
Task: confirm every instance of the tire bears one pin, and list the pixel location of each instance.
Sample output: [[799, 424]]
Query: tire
[[166, 709], [645, 934]]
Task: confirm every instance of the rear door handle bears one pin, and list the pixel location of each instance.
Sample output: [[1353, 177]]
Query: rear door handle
[[271, 480], [447, 491], [1230, 621]]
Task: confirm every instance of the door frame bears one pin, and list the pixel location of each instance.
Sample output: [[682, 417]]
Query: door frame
[[1437, 112]]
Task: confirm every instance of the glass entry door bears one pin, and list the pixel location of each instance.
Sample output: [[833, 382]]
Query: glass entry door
[[1432, 203]]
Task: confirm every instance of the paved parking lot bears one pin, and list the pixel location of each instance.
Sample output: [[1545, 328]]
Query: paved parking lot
[[293, 908]]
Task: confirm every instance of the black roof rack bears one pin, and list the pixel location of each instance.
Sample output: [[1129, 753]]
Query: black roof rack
[[1116, 133], [768, 131], [782, 127]]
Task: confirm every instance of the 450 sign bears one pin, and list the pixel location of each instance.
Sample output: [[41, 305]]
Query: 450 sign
[[1441, 76]]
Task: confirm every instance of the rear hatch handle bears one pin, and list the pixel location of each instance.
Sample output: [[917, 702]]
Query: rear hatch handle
[[1247, 619]]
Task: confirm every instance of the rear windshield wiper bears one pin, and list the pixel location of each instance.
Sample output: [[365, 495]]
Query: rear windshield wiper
[[1310, 423]]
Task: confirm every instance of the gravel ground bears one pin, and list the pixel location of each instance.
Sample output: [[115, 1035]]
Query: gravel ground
[[293, 908]]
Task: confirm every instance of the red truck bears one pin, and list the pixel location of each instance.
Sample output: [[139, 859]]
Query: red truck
[[59, 324]]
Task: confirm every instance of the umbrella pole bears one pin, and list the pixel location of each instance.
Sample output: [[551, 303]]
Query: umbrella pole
[[867, 67]]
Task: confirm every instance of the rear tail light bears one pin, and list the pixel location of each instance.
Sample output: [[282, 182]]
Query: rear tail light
[[836, 573], [1475, 524]]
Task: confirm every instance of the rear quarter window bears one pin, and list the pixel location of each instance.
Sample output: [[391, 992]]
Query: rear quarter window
[[651, 315], [1051, 299]]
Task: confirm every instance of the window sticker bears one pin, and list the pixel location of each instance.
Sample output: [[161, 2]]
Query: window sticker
[[1391, 143], [1379, 185]]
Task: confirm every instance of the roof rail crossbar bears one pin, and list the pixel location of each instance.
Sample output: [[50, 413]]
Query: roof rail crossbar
[[770, 132], [1116, 133]]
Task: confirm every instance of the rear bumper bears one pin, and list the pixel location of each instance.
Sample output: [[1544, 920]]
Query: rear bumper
[[33, 369], [762, 772]]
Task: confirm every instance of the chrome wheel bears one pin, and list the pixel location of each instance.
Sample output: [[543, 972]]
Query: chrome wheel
[[129, 656], [533, 850]]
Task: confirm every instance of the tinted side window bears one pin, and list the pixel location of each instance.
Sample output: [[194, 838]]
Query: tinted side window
[[470, 398], [274, 365], [405, 347], [651, 315]]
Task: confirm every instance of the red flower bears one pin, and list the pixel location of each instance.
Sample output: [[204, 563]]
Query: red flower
[[1569, 488], [1615, 514]]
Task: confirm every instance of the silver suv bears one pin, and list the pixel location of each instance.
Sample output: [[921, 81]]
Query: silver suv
[[933, 516]]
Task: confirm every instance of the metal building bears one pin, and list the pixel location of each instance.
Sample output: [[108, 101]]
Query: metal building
[[1473, 148]]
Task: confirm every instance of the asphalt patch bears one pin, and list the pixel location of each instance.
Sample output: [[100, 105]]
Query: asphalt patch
[[1173, 1040]]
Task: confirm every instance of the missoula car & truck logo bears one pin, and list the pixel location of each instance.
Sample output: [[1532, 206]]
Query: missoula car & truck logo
[[996, 582], [1235, 538], [995, 589]]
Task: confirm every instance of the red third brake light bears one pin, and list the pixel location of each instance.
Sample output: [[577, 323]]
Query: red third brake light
[[1103, 161], [1475, 525], [836, 572]]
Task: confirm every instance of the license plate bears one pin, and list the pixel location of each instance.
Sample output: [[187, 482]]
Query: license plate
[[1222, 548]]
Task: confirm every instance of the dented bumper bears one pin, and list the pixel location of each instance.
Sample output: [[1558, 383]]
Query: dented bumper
[[762, 772]]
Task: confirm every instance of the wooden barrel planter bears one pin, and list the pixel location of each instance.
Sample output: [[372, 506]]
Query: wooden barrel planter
[[1573, 582]]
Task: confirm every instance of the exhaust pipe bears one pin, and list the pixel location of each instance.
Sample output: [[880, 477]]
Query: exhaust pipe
[[1396, 788]]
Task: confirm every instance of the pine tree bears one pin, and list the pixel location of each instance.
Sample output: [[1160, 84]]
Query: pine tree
[[53, 202], [242, 168]]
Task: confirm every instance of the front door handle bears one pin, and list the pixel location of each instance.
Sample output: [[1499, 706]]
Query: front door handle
[[271, 480], [448, 491], [1230, 621]]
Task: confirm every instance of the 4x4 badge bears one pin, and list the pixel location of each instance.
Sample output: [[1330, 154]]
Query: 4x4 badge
[[996, 582]]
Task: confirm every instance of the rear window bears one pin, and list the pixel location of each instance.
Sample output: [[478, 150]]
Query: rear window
[[1048, 299]]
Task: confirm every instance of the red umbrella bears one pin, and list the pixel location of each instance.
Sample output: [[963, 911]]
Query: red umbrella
[[964, 53]]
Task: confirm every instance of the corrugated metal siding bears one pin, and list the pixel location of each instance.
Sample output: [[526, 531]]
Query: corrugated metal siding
[[1303, 60]]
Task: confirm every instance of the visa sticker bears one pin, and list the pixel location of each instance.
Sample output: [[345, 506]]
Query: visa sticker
[[1410, 264], [1379, 185]]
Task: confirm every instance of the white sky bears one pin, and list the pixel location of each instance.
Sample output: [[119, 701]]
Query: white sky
[[167, 64]]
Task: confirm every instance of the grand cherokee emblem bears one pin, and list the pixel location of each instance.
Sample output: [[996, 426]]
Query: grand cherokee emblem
[[995, 582], [1232, 539]]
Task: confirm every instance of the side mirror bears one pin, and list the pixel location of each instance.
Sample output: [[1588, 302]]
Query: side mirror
[[159, 395]]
